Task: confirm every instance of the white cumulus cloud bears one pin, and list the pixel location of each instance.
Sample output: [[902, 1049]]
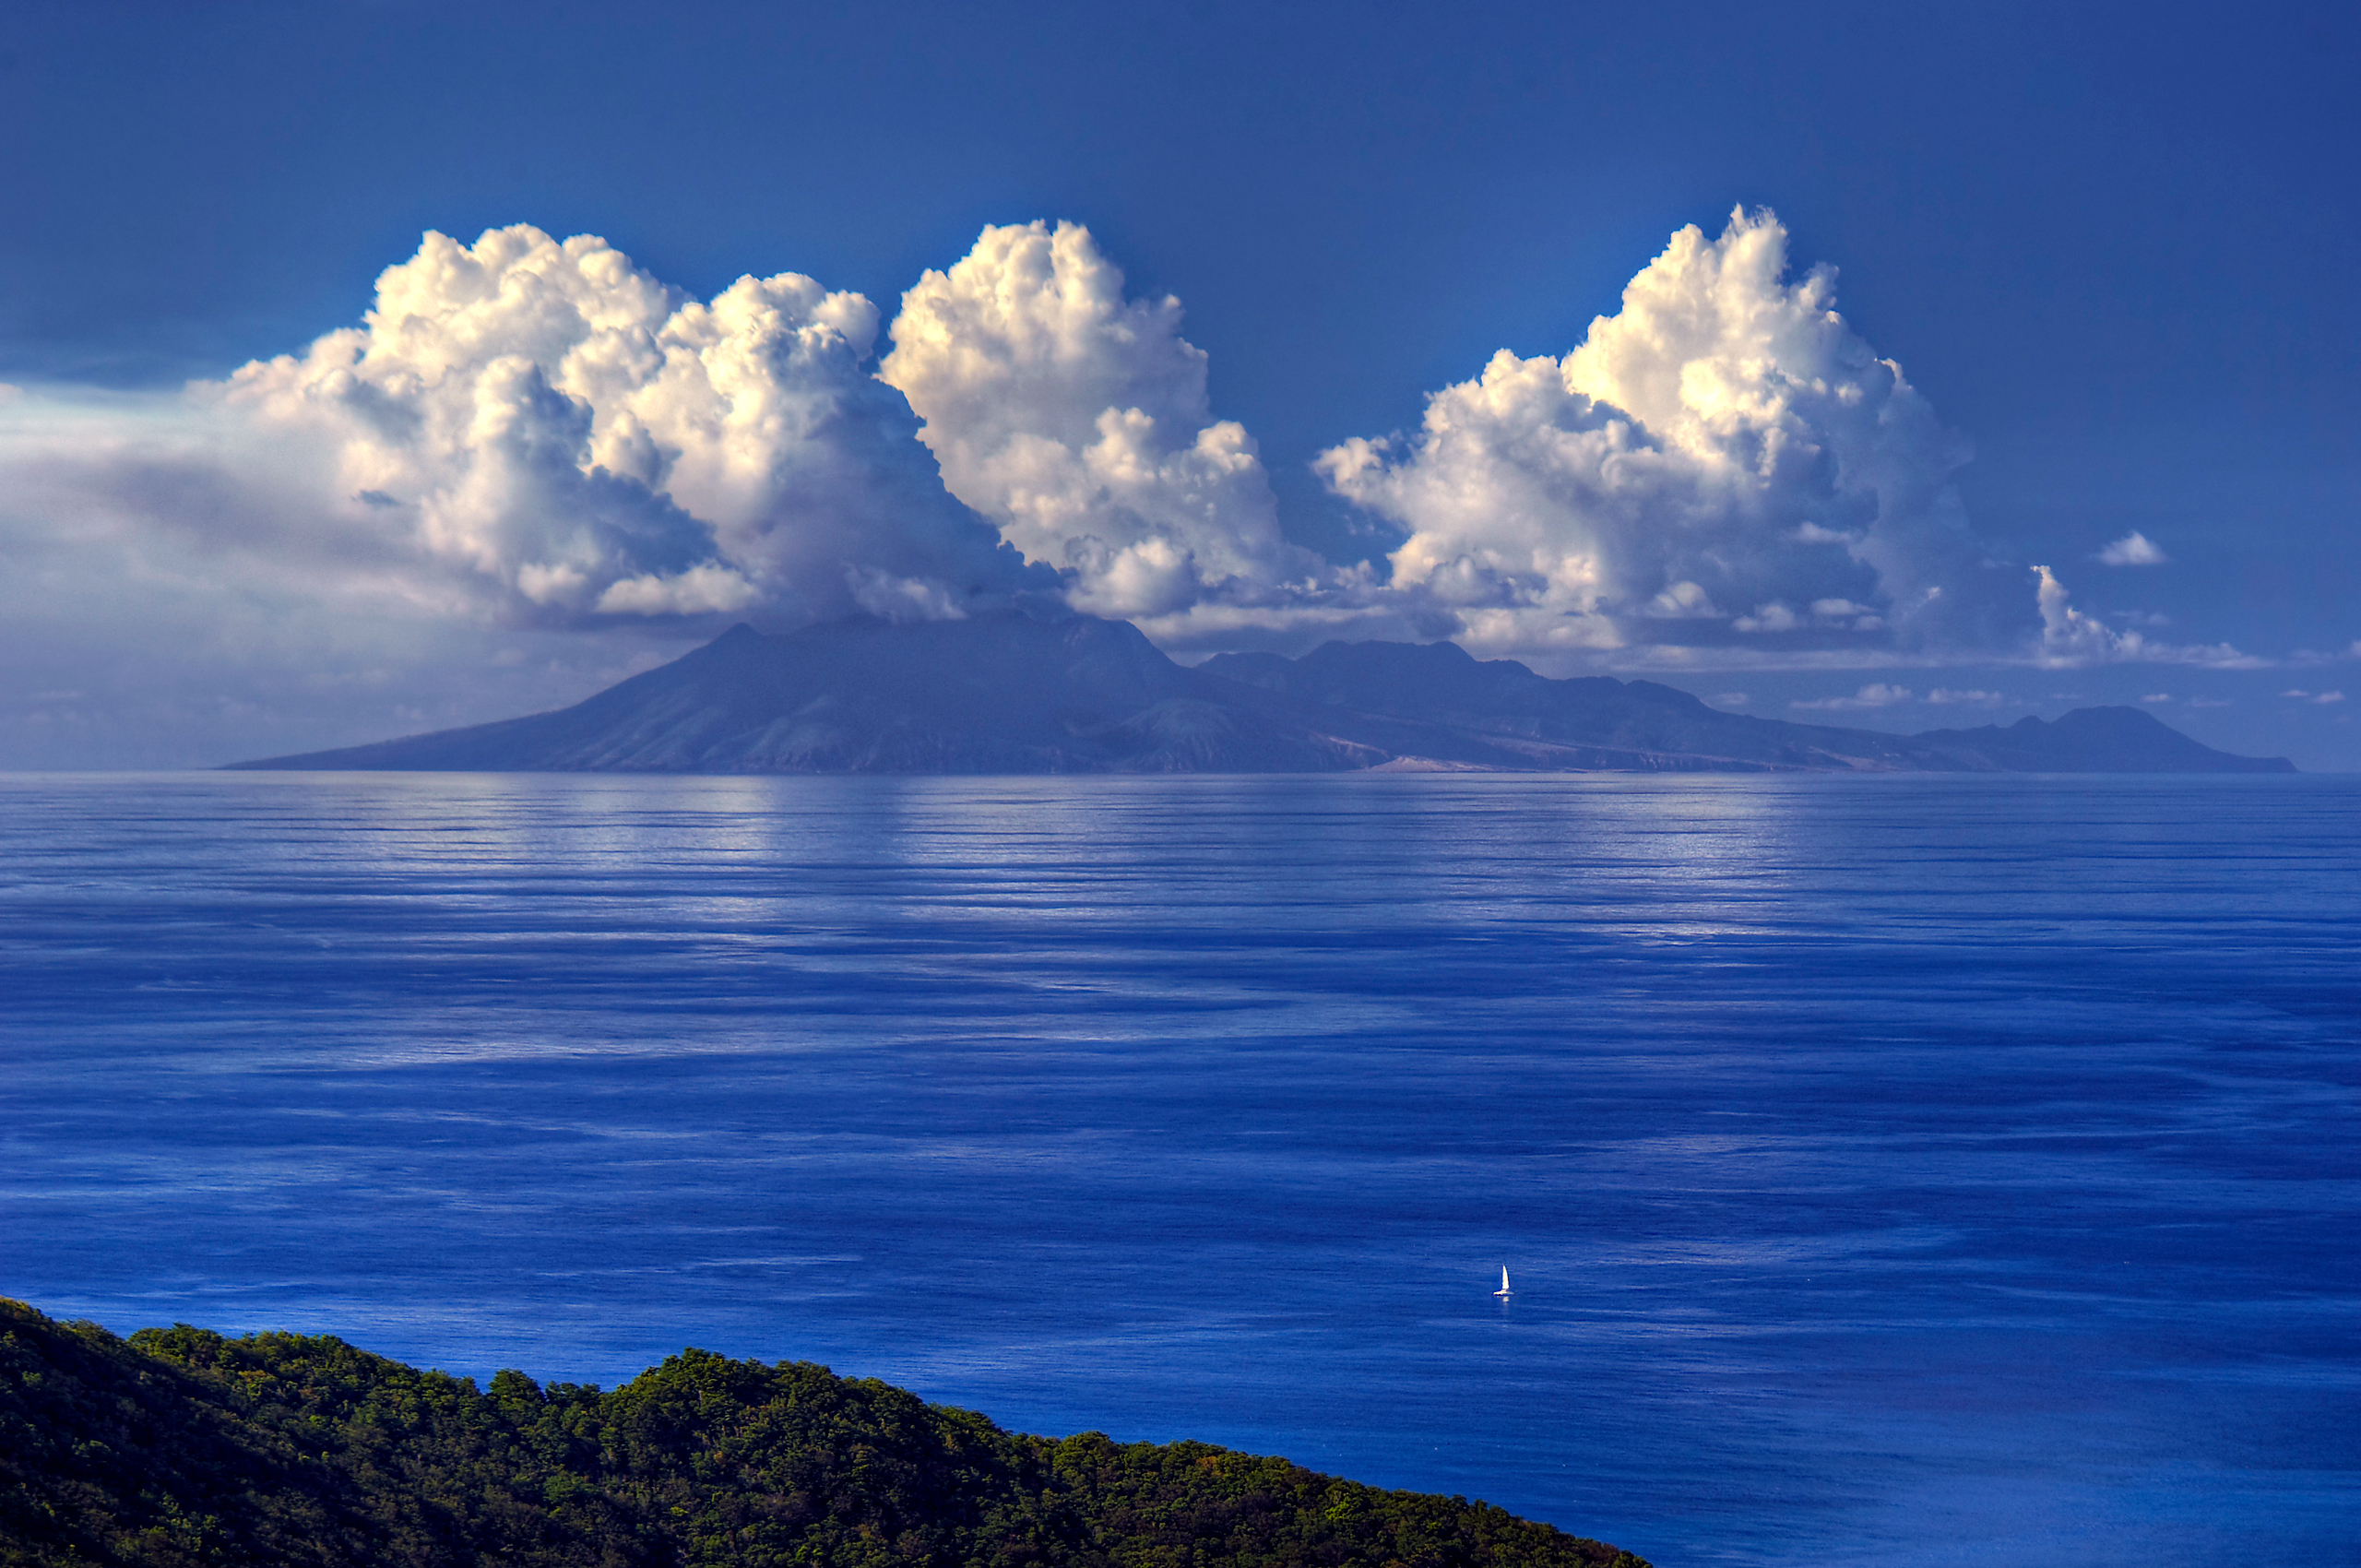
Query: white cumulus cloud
[[2134, 549], [2072, 636], [1723, 462], [1723, 470], [1077, 420], [555, 430]]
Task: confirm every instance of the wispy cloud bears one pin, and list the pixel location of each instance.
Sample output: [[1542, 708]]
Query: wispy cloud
[[1877, 693]]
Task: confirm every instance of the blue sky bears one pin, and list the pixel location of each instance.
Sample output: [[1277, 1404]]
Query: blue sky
[[2110, 248]]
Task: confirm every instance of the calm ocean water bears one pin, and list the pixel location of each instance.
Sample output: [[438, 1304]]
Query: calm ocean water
[[1893, 1171]]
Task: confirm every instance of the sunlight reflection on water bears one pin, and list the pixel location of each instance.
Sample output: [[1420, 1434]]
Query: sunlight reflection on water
[[1895, 1170]]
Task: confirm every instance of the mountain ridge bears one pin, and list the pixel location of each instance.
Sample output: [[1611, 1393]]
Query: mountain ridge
[[1010, 693]]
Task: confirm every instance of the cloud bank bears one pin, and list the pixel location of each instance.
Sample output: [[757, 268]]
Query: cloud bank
[[527, 435]]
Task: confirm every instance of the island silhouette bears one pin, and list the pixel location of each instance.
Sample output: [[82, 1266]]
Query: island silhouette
[[1010, 692]]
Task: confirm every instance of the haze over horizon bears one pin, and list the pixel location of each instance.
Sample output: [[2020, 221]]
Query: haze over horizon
[[1808, 414]]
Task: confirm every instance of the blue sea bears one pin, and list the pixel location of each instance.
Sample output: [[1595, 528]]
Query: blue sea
[[1892, 1170]]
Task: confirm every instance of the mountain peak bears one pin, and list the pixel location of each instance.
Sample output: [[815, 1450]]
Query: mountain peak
[[1005, 691]]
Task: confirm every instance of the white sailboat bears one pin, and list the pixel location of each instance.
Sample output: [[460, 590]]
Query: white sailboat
[[1504, 1293]]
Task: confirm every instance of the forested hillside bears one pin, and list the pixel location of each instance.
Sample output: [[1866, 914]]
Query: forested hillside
[[178, 1446]]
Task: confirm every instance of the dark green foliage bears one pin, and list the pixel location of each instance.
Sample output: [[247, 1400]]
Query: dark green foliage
[[180, 1447]]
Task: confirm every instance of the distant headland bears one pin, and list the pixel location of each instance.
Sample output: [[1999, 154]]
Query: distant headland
[[1008, 692], [179, 1445]]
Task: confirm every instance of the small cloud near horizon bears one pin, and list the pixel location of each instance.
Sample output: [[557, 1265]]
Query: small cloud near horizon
[[1877, 693]]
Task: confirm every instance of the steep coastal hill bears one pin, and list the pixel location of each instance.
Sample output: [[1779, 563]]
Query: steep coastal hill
[[183, 1447], [1009, 693]]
